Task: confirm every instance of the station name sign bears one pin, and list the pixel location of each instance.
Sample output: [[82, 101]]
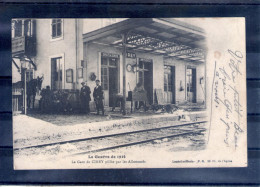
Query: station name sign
[[103, 54], [128, 55]]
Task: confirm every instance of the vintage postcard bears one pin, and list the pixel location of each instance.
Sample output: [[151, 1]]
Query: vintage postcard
[[129, 93]]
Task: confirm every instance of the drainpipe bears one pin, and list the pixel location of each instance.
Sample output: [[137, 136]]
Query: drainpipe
[[124, 36], [25, 93], [76, 73], [205, 81]]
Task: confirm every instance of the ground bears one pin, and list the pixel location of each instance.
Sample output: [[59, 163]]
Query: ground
[[73, 119], [36, 129]]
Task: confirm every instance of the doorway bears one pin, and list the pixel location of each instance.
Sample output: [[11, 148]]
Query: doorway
[[169, 84], [109, 78], [145, 76], [191, 84], [56, 73]]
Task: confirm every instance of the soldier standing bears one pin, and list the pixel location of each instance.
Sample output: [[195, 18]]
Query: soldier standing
[[85, 97], [98, 97], [47, 99]]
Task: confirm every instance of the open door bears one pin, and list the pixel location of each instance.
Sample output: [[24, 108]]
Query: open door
[[191, 84]]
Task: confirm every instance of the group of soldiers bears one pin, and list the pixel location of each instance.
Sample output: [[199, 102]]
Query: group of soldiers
[[98, 96], [140, 98], [51, 100]]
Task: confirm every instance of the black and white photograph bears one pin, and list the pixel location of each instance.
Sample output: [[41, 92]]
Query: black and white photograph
[[129, 93]]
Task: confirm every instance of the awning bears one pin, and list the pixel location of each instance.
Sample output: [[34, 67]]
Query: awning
[[162, 36]]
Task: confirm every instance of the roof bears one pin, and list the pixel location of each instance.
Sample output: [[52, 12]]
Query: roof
[[164, 36]]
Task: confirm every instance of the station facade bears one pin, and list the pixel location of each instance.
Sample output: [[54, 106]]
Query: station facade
[[165, 55]]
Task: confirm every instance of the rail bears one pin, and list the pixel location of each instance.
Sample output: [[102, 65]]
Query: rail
[[113, 135]]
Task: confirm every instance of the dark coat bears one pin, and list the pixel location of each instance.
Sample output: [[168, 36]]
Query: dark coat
[[98, 93], [85, 93]]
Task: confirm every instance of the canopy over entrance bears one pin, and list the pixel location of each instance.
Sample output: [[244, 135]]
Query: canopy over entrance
[[161, 36], [168, 37]]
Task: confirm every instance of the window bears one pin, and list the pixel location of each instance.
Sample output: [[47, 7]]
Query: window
[[56, 26], [104, 77], [18, 24], [142, 67], [28, 28], [104, 61], [107, 64], [22, 28]]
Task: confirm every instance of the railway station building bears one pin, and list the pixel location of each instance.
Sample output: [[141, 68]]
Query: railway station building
[[167, 56]]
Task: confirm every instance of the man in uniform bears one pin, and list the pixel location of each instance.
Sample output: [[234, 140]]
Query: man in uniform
[[46, 100], [85, 98], [98, 97]]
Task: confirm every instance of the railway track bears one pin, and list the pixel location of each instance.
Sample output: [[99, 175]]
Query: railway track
[[126, 139]]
